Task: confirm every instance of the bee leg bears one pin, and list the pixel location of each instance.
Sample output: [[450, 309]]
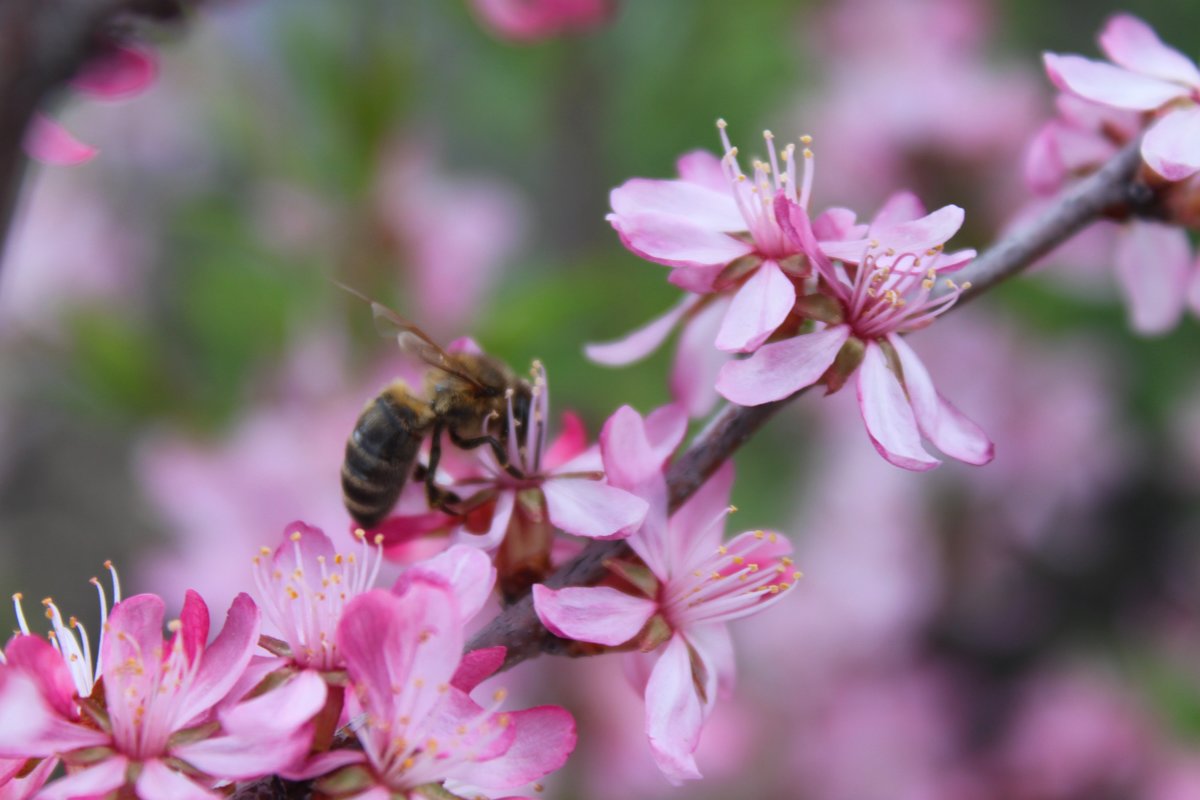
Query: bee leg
[[497, 449], [435, 495]]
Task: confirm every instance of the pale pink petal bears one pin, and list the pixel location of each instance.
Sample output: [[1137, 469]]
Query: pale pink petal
[[698, 280], [224, 660], [308, 541], [51, 143], [673, 713], [466, 570], [704, 168], [1154, 264], [665, 428], [696, 364], [914, 236], [759, 307], [643, 341], [477, 666], [597, 614], [888, 415], [714, 646], [837, 223], [707, 208], [629, 458], [134, 628], [248, 755], [121, 71], [793, 220], [279, 711], [697, 527], [1113, 86], [677, 242], [157, 781], [40, 662], [1172, 146], [27, 786], [592, 508], [780, 369], [942, 423], [24, 715], [95, 781], [1044, 168], [1134, 45], [902, 206], [545, 737], [318, 764]]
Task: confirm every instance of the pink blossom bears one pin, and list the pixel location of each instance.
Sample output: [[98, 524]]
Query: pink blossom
[[166, 721], [533, 20], [696, 585], [419, 726], [121, 71], [881, 286], [1147, 76], [1154, 261]]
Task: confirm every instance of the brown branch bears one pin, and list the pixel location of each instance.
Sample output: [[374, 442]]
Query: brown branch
[[1107, 191], [43, 43]]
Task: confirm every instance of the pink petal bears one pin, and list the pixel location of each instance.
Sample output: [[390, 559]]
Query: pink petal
[[121, 71], [134, 629], [96, 781], [1044, 169], [697, 362], [597, 614], [704, 168], [902, 206], [697, 527], [629, 458], [698, 280], [714, 647], [759, 307], [1112, 86], [673, 713], [310, 541], [466, 570], [706, 208], [888, 415], [793, 220], [224, 660], [51, 143], [1134, 45], [571, 442], [942, 423], [914, 236], [1153, 266], [665, 428], [477, 666], [780, 369], [194, 625], [24, 715], [545, 737], [592, 508], [40, 662], [1172, 145], [318, 764], [26, 787], [643, 341], [248, 755], [836, 223], [157, 781], [677, 242], [280, 711]]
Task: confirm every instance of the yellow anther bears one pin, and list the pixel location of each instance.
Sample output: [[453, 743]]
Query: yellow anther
[[431, 745], [732, 508], [808, 153], [773, 589], [359, 533], [18, 597], [773, 538], [407, 764], [966, 285], [337, 558], [716, 576], [950, 284], [722, 549], [295, 536], [917, 262], [46, 601], [759, 534], [784, 586], [806, 139], [787, 561], [721, 123], [698, 574], [499, 695], [927, 284], [739, 560], [768, 135], [379, 538], [292, 593], [797, 575], [174, 626], [266, 551], [753, 567], [419, 683]]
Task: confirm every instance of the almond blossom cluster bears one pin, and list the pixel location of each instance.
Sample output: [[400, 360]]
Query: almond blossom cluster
[[1152, 91], [811, 299]]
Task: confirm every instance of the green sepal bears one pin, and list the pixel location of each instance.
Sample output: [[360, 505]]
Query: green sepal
[[848, 359], [820, 307], [736, 270], [352, 779], [656, 633], [637, 575], [436, 791], [87, 756], [276, 647], [191, 735]]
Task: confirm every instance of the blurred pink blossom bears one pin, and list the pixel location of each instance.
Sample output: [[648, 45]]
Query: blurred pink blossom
[[453, 235], [1146, 76], [534, 20]]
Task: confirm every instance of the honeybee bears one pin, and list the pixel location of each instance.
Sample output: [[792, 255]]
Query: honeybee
[[466, 396]]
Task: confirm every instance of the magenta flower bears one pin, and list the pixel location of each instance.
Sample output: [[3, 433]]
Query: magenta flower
[[418, 725], [696, 585], [881, 287], [1154, 264], [533, 20], [164, 724], [121, 71], [1146, 76]]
